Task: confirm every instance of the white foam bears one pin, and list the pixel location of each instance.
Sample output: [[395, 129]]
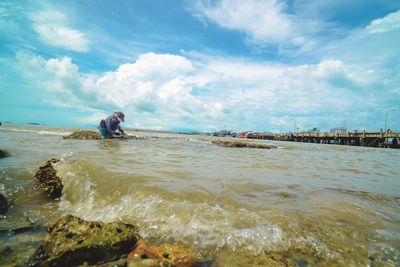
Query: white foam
[[199, 224], [41, 132], [205, 226]]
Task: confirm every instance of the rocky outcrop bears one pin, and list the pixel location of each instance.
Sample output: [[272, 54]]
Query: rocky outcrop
[[84, 135], [73, 242], [3, 204], [91, 135], [242, 144], [48, 180]]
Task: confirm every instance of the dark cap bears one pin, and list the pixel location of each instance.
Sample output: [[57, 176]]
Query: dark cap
[[120, 115]]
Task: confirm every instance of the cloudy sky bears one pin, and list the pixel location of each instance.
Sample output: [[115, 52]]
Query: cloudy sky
[[268, 65]]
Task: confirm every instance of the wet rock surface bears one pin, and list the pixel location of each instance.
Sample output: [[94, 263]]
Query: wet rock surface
[[226, 143], [49, 182], [84, 135], [3, 204], [73, 242], [164, 256], [91, 135]]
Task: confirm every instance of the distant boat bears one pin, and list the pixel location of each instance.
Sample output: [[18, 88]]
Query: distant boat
[[248, 134], [223, 133], [243, 135]]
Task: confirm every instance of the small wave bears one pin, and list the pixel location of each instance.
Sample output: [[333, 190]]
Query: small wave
[[367, 195], [206, 227], [41, 132], [53, 133], [200, 224], [198, 140], [212, 227]]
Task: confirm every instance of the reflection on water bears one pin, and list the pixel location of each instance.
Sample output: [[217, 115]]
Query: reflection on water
[[300, 204]]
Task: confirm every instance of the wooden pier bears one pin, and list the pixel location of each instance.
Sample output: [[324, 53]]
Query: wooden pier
[[359, 138]]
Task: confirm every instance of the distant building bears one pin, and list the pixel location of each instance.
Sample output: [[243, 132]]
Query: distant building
[[338, 130]]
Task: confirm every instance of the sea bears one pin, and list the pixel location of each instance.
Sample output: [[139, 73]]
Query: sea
[[301, 204]]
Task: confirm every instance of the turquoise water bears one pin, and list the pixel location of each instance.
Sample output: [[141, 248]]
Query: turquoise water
[[312, 204]]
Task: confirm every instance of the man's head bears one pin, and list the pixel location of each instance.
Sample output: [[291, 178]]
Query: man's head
[[120, 116]]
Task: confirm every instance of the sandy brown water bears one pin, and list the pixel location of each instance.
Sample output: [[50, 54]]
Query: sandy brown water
[[304, 204]]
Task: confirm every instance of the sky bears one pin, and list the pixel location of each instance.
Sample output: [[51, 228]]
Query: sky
[[268, 65]]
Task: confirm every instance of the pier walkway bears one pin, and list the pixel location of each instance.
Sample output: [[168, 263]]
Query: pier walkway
[[357, 138]]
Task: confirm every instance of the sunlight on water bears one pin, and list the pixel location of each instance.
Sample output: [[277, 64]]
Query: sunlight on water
[[308, 203]]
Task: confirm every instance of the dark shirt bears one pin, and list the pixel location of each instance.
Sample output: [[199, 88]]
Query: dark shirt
[[111, 124]]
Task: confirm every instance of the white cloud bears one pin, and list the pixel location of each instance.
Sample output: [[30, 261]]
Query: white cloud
[[269, 94], [54, 75], [146, 85], [52, 29], [152, 87], [263, 21], [163, 91], [388, 23]]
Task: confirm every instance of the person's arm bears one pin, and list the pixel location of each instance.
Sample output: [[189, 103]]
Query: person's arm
[[120, 129]]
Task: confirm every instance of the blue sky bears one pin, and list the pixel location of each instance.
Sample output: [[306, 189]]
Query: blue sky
[[269, 65]]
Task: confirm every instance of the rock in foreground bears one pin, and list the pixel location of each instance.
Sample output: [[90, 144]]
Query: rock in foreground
[[3, 204], [73, 241], [48, 180], [241, 144]]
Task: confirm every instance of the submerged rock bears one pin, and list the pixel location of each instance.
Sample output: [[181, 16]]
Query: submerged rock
[[3, 154], [282, 194], [3, 204], [48, 180], [73, 241], [241, 144]]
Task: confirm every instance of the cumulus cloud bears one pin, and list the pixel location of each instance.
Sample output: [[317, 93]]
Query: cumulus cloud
[[164, 91], [58, 79], [153, 88], [154, 84], [388, 23], [271, 95], [138, 83], [263, 21], [53, 30], [54, 75], [274, 87]]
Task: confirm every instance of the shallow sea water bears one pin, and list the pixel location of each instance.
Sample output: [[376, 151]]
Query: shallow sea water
[[301, 204]]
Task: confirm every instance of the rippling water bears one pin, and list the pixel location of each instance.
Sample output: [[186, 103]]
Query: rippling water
[[303, 204]]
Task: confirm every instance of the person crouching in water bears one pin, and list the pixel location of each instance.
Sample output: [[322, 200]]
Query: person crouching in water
[[110, 128]]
